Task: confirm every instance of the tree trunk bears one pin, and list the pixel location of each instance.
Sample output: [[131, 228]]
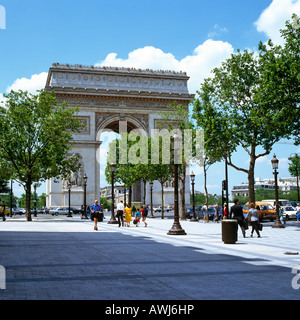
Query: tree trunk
[[251, 181], [129, 196], [28, 199], [144, 198]]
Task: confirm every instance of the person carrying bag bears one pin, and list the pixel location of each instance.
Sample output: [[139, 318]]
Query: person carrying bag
[[253, 216]]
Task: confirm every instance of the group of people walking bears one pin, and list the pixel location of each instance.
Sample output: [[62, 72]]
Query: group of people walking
[[236, 212], [124, 214]]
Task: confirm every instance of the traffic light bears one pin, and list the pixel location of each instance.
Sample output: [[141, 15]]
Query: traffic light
[[224, 185]]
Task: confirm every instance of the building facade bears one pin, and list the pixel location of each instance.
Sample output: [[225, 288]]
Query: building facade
[[284, 184], [107, 97]]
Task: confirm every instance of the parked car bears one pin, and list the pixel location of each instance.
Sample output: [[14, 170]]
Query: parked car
[[289, 213], [211, 213], [158, 209], [7, 211], [74, 210], [17, 211], [60, 210], [189, 213], [265, 210]]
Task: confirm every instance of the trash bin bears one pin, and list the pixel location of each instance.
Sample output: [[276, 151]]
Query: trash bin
[[229, 231]]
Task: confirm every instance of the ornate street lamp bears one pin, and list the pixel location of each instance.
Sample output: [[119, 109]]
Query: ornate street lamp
[[194, 218], [275, 163], [151, 198], [113, 168], [176, 228], [84, 197], [69, 185]]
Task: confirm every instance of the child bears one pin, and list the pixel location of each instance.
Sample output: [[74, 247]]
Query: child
[[138, 217]]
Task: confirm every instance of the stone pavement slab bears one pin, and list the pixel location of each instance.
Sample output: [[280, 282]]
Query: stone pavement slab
[[59, 258]]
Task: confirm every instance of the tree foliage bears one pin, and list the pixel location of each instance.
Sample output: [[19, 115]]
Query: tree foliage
[[35, 139], [252, 101]]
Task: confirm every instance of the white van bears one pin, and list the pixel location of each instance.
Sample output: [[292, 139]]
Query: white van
[[281, 202]]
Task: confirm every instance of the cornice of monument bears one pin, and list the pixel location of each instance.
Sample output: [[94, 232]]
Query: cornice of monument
[[119, 94], [121, 70], [115, 81]]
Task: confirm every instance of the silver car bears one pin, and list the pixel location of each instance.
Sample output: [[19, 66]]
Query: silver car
[[60, 210], [289, 213]]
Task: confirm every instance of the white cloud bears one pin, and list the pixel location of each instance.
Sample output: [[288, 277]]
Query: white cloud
[[36, 82], [283, 163], [217, 31], [198, 66], [273, 18]]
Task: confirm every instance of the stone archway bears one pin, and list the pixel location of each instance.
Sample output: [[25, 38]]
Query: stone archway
[[111, 122], [105, 96]]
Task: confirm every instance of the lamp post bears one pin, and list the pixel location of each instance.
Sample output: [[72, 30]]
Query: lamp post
[[275, 162], [151, 198], [34, 201], [193, 219], [69, 185], [84, 197], [112, 220], [11, 197], [291, 157], [176, 228]]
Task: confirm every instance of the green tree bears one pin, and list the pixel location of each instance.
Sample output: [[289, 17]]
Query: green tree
[[4, 188], [178, 117], [35, 139], [252, 101], [294, 169]]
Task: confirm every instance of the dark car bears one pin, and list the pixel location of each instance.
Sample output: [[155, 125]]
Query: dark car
[[189, 213], [211, 213], [75, 211]]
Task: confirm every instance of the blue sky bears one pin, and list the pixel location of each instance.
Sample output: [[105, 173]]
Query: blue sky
[[191, 35]]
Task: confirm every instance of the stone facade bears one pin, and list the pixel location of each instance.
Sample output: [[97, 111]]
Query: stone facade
[[105, 96]]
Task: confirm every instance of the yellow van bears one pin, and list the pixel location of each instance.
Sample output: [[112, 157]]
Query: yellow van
[[265, 210]]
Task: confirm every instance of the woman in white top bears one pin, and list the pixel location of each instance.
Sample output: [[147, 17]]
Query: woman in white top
[[253, 216]]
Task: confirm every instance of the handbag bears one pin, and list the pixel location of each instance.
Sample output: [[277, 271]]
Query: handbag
[[260, 226], [134, 221]]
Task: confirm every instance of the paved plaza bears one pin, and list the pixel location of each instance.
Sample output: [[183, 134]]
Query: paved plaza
[[60, 258]]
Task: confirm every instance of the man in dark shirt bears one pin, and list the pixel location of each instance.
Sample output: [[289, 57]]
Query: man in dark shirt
[[236, 212]]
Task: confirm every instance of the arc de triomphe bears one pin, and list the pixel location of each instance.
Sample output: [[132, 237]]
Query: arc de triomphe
[[105, 96]]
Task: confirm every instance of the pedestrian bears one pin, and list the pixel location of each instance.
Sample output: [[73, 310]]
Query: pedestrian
[[138, 215], [253, 218], [3, 210], [236, 212], [144, 213], [133, 210], [281, 217], [204, 210], [95, 214], [128, 217], [88, 211], [225, 211], [217, 215], [120, 212], [298, 211]]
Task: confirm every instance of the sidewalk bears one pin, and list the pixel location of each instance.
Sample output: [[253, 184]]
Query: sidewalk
[[64, 258]]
